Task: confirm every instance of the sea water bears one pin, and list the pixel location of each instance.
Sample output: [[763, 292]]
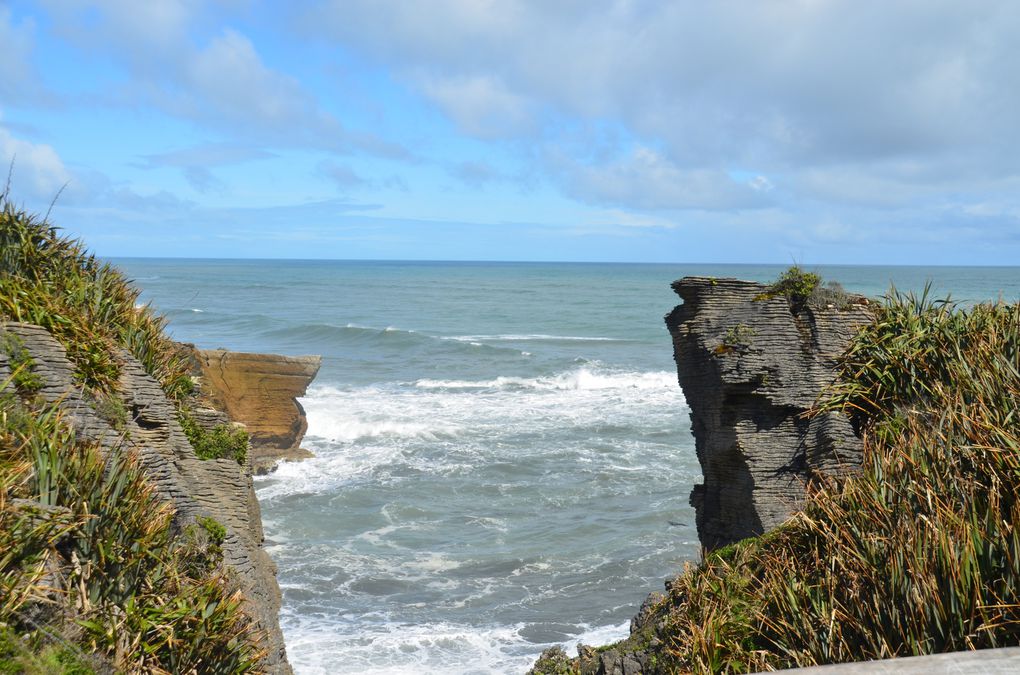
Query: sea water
[[503, 456]]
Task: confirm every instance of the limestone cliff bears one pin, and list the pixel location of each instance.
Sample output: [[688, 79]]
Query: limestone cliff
[[220, 489], [261, 392], [750, 367]]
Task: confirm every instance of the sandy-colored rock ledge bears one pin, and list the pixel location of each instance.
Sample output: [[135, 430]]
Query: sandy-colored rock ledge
[[261, 392]]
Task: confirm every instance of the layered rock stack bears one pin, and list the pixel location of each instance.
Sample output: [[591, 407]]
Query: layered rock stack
[[751, 365], [261, 392]]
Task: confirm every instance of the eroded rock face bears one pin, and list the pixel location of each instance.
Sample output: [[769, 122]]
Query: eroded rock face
[[261, 392], [220, 489], [750, 368]]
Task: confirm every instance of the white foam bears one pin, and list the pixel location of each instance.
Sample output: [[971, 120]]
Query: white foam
[[525, 337], [392, 648], [579, 379], [359, 432]]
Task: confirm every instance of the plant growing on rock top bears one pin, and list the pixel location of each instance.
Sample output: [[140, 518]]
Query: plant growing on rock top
[[794, 284], [86, 304], [86, 545], [140, 596]]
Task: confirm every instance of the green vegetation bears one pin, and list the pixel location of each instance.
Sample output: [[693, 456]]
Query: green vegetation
[[794, 284], [93, 565], [20, 658], [222, 441], [87, 305], [26, 381], [739, 336], [803, 288], [136, 598], [917, 554]]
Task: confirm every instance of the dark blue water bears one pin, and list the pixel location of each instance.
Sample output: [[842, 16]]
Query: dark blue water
[[503, 454]]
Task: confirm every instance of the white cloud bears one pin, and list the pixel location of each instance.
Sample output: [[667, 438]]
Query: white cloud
[[648, 180], [219, 81], [481, 105], [38, 173], [784, 86]]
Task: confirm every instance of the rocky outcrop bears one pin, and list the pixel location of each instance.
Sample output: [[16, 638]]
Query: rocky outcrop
[[261, 392], [220, 489], [751, 366]]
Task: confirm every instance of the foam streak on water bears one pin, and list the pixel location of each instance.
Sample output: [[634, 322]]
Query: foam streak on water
[[503, 456], [474, 511]]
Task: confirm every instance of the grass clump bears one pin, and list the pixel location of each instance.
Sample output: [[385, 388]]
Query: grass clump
[[224, 441], [92, 562], [795, 284], [737, 338], [21, 363], [917, 554], [18, 657]]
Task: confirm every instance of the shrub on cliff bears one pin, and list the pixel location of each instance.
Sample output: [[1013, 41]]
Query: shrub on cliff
[[86, 304], [93, 567], [917, 554], [138, 596]]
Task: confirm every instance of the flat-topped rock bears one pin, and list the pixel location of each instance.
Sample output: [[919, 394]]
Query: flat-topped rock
[[751, 366], [261, 392]]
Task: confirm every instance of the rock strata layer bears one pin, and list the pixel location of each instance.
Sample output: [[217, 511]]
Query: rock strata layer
[[221, 489], [261, 392], [750, 367]]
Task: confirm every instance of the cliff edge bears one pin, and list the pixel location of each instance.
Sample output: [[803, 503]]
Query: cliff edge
[[751, 364]]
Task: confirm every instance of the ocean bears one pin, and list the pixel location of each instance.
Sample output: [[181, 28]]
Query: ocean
[[503, 455]]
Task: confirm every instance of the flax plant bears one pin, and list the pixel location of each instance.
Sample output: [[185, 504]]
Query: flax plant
[[919, 552]]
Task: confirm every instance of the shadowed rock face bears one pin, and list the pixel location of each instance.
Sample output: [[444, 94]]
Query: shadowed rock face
[[261, 392], [749, 370], [219, 488]]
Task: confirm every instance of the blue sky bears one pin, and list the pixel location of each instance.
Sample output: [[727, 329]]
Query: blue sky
[[819, 131]]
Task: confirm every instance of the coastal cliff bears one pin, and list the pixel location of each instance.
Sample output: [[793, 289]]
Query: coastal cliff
[[261, 392], [751, 365], [144, 423]]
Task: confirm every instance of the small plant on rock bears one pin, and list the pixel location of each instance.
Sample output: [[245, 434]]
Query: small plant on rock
[[794, 284]]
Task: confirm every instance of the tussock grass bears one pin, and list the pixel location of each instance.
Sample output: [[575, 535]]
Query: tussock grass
[[92, 563], [85, 542], [917, 554], [86, 304]]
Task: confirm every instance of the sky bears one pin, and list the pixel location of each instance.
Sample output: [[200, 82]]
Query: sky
[[808, 131]]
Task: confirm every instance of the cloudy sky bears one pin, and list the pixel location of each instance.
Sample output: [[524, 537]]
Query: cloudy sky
[[820, 131]]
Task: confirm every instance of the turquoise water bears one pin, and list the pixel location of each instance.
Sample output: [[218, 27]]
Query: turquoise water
[[503, 456]]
